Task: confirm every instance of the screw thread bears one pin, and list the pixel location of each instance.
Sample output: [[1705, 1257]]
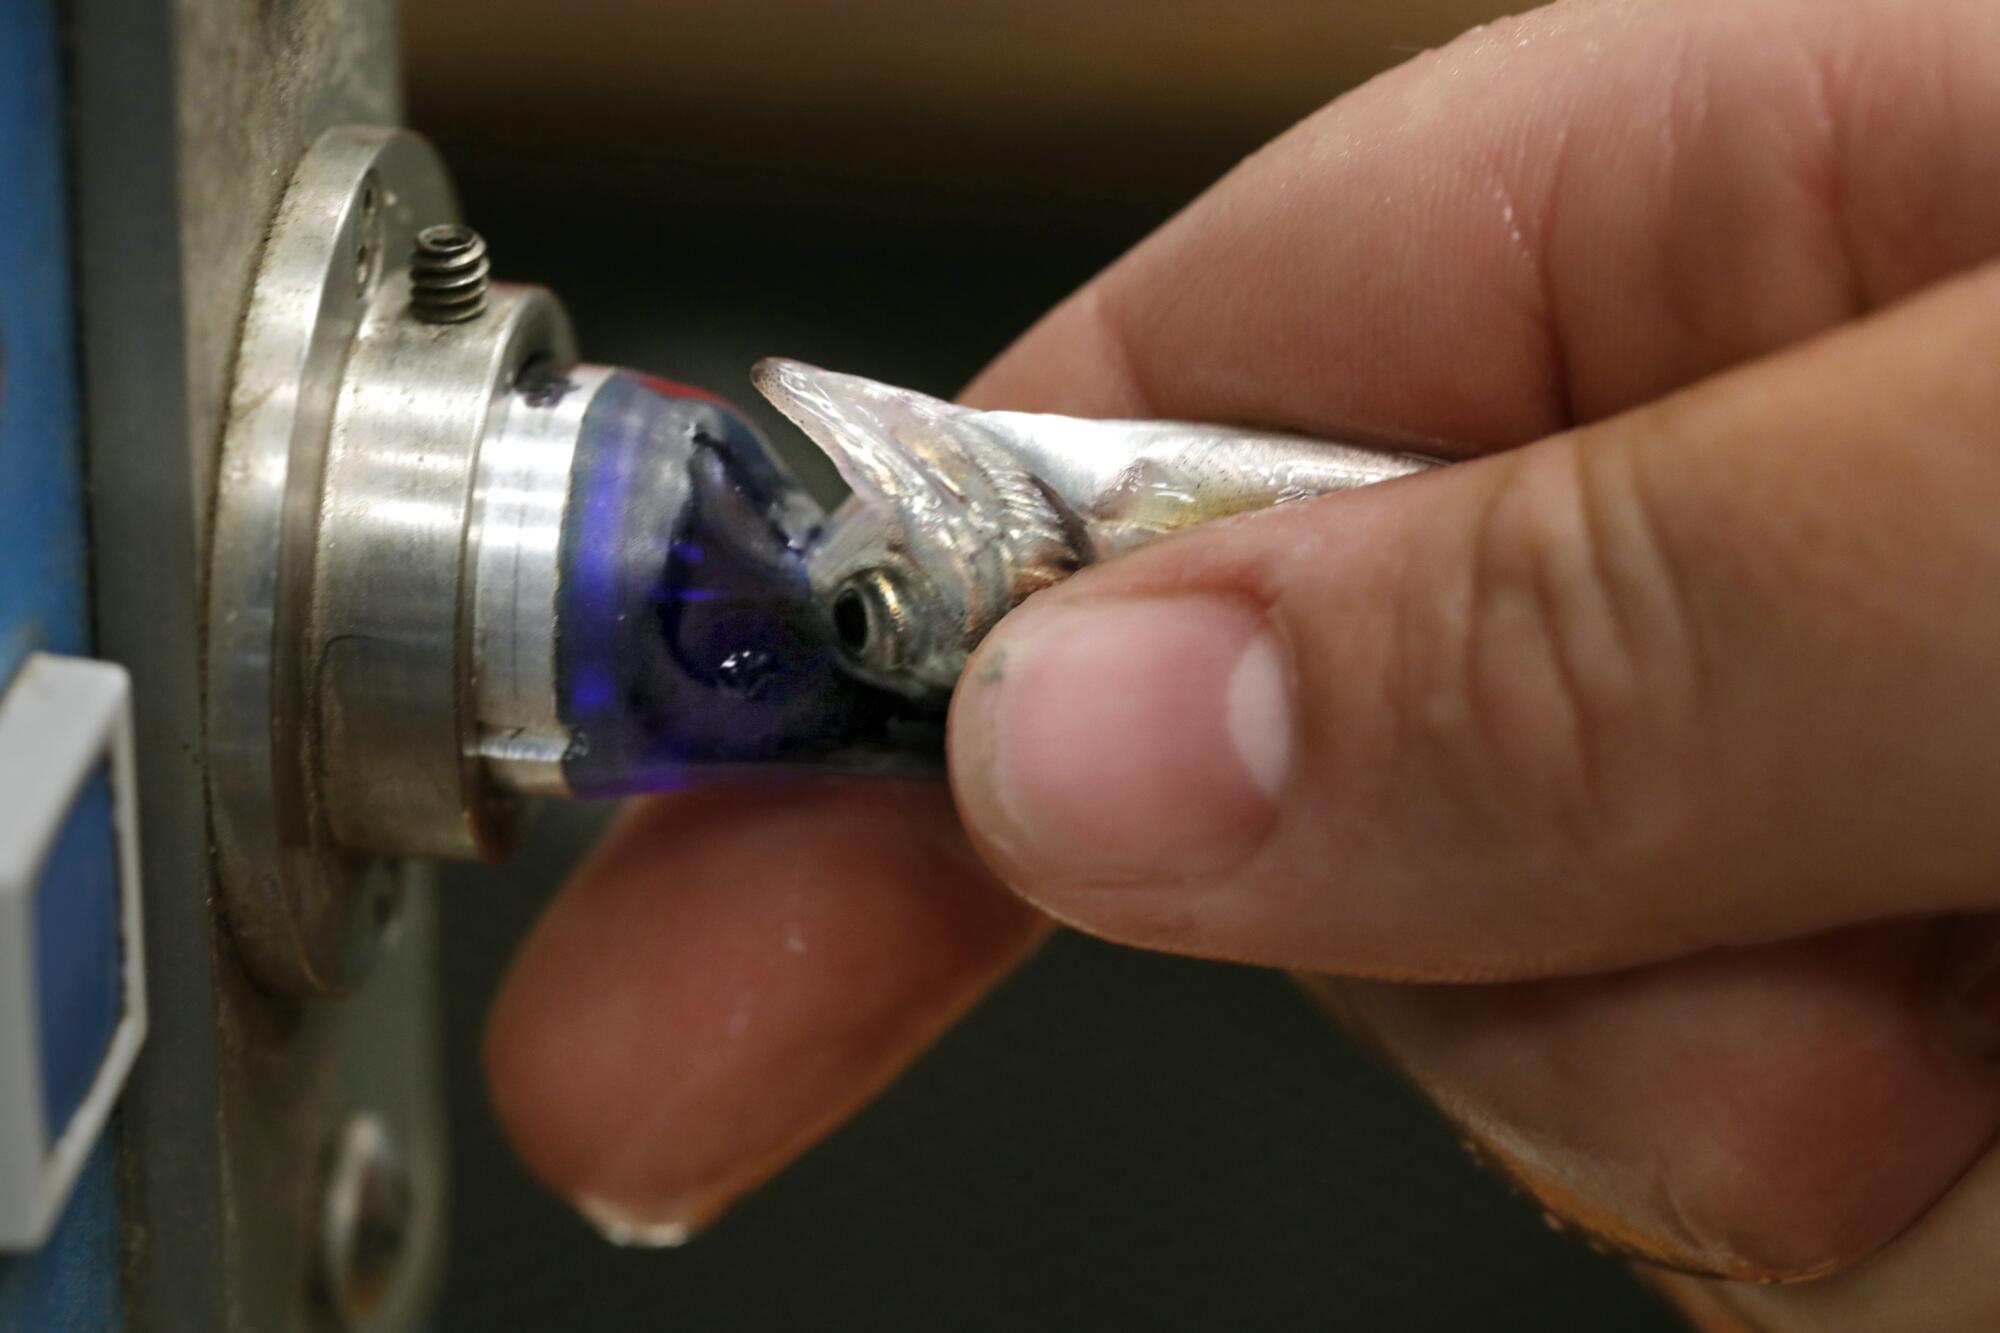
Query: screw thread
[[448, 275]]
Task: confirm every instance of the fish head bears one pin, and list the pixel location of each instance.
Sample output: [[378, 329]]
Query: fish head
[[944, 531]]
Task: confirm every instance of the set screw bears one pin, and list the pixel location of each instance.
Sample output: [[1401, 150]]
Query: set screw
[[448, 275]]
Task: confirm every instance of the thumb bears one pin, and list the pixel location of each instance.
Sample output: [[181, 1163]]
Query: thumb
[[1715, 672]]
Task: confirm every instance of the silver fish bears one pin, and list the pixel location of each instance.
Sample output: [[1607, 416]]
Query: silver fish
[[959, 515]]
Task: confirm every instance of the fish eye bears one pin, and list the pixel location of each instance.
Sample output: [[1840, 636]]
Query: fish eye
[[871, 616]]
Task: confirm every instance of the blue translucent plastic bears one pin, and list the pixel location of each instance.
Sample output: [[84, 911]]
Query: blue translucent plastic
[[688, 639]]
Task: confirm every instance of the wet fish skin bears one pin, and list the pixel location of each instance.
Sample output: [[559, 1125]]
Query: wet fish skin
[[958, 515]]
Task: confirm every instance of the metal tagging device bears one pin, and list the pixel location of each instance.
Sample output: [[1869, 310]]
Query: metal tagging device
[[453, 569]]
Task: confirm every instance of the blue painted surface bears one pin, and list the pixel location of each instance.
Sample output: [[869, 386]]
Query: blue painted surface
[[71, 1284], [41, 478], [78, 979]]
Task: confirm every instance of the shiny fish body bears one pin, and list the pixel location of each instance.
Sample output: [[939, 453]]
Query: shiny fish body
[[958, 515]]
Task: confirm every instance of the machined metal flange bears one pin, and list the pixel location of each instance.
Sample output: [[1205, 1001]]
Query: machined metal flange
[[341, 715]]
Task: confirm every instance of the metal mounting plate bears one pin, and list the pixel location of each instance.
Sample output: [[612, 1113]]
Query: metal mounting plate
[[307, 914]]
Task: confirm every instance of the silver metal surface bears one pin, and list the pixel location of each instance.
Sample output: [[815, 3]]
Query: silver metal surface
[[391, 626], [523, 488], [959, 515], [344, 696], [190, 117], [296, 899], [367, 1212]]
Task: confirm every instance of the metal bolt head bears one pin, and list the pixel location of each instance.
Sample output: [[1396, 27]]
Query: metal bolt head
[[366, 1219]]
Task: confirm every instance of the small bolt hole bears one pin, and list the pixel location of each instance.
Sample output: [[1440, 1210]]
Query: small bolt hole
[[368, 237]]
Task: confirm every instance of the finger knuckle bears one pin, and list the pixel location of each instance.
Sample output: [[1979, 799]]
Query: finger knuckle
[[1562, 661]]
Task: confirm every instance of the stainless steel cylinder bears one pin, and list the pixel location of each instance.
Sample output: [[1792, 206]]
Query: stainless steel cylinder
[[522, 497], [388, 525], [391, 632]]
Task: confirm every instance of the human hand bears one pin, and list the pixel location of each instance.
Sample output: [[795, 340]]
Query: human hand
[[1621, 784]]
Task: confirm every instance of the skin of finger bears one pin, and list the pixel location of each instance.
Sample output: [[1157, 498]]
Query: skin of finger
[[1769, 1113], [1557, 217], [735, 970], [1664, 684], [1939, 1275], [1888, 158]]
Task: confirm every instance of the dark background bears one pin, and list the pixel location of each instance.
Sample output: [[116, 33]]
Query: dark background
[[1114, 1140]]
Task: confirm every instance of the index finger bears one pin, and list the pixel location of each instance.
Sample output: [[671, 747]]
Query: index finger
[[1553, 219]]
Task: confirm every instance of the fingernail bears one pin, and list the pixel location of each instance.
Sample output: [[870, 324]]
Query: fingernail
[[630, 1229], [1969, 984], [733, 973], [1127, 738]]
